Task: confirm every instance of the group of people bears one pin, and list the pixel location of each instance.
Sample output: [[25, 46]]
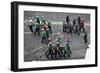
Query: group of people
[[75, 26], [42, 27], [57, 51]]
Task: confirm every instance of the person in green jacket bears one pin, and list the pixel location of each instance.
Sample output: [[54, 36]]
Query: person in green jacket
[[50, 50], [44, 36], [67, 50], [47, 31], [37, 28], [43, 20], [37, 19], [49, 26]]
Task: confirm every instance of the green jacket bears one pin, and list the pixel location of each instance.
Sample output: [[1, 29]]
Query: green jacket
[[37, 19], [49, 24], [37, 25], [43, 33], [44, 21], [50, 48], [66, 47], [47, 31]]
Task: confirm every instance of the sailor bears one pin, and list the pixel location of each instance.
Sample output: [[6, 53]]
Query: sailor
[[37, 19], [67, 49], [74, 21], [50, 50], [79, 21], [67, 19], [49, 26], [77, 29], [85, 36], [44, 36], [57, 50], [30, 23], [70, 27], [47, 31], [82, 25], [64, 26], [37, 28], [43, 20]]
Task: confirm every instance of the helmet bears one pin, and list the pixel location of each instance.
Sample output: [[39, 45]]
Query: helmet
[[49, 38]]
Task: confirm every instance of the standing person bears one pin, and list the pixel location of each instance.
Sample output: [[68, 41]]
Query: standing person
[[79, 21], [74, 22], [77, 29], [82, 25], [64, 26], [43, 20], [67, 49], [49, 26], [30, 25], [67, 19], [50, 51], [37, 28], [47, 31], [57, 50], [58, 44], [85, 36], [44, 36], [37, 19], [70, 27]]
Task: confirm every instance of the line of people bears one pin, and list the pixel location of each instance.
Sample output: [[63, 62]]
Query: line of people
[[76, 26]]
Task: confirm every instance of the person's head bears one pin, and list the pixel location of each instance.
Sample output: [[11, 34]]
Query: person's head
[[42, 17], [83, 20], [70, 23], [67, 16], [78, 15], [30, 18], [58, 38], [50, 44]]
